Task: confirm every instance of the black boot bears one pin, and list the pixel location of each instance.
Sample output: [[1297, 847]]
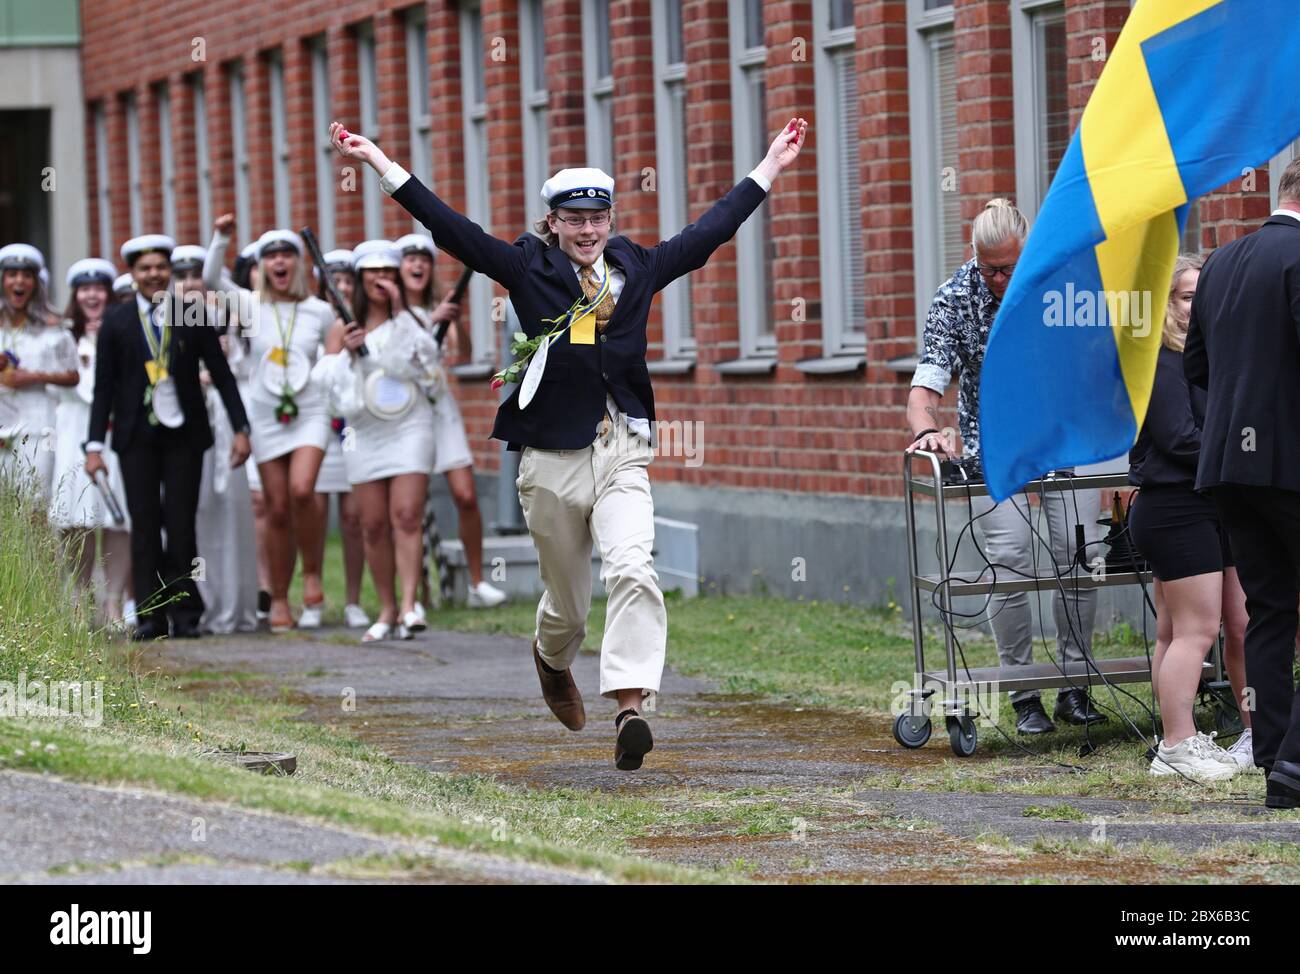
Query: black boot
[[1075, 707], [1031, 718]]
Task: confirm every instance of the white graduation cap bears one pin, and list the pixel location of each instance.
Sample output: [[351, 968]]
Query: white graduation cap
[[123, 284], [374, 254], [276, 240], [188, 255], [338, 260], [579, 189], [149, 243], [21, 256], [91, 270], [415, 243]]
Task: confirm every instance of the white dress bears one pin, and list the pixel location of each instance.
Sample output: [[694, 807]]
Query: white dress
[[311, 427], [224, 532], [27, 420], [375, 448], [267, 324], [75, 502], [333, 476], [451, 444], [241, 366]]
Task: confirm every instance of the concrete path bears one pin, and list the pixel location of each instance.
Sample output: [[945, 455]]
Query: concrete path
[[470, 703]]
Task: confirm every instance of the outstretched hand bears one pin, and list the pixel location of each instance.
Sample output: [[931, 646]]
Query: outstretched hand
[[351, 146], [785, 147]]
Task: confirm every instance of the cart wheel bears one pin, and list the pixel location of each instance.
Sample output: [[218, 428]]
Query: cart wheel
[[911, 731], [961, 735]]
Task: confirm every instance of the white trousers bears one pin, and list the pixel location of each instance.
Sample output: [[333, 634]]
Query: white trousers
[[599, 494]]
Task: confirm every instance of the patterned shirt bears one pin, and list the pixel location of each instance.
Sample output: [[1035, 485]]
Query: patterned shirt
[[956, 334]]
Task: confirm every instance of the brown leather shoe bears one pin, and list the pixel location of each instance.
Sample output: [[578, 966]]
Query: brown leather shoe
[[561, 694]]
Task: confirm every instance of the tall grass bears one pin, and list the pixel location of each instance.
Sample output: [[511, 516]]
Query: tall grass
[[46, 627]]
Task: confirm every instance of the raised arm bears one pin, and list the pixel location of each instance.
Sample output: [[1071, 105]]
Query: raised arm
[[691, 249], [458, 235]]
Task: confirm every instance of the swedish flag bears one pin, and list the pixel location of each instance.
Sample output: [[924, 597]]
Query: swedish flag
[[1194, 93]]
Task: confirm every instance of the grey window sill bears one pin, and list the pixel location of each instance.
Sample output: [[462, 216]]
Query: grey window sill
[[472, 370], [745, 366], [670, 366], [902, 364], [831, 365]]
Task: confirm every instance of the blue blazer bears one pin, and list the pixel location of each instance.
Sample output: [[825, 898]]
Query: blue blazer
[[570, 400]]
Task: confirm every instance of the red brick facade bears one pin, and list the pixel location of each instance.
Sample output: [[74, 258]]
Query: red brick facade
[[782, 429]]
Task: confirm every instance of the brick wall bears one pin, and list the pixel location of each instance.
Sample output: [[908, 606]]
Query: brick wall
[[784, 429]]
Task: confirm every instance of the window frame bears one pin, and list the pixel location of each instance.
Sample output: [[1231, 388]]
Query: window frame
[[599, 91], [1027, 90], [238, 126], [838, 340], [478, 203], [99, 113], [203, 164], [131, 114], [326, 214], [671, 186], [372, 203], [280, 179], [535, 110]]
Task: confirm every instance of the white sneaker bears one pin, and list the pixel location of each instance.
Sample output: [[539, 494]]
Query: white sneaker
[[485, 595], [310, 618], [128, 613], [1197, 757], [1243, 751], [354, 617]]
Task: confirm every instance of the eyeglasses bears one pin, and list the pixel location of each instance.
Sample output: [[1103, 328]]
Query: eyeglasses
[[988, 271], [598, 219]]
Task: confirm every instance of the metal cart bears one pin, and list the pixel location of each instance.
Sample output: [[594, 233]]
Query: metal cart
[[959, 692]]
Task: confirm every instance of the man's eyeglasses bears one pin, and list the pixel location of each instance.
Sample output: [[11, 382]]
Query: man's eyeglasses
[[598, 219], [989, 272]]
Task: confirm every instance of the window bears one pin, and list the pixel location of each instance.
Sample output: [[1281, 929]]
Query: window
[[201, 158], [321, 118], [167, 159], [101, 182], [1041, 88], [368, 89], [243, 217], [478, 206], [417, 97], [839, 180], [938, 231], [598, 65], [537, 161], [279, 140], [133, 163], [755, 248]]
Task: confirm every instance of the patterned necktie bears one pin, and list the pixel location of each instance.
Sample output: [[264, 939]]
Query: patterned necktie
[[591, 287]]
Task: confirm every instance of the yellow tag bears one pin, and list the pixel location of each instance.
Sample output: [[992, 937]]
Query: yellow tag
[[162, 375], [279, 356], [152, 370], [583, 331]]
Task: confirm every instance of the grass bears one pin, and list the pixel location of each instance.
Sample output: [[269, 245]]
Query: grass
[[153, 735], [806, 653]]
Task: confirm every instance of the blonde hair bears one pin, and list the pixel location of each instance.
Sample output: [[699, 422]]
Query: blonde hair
[[997, 223], [1174, 334], [299, 287]]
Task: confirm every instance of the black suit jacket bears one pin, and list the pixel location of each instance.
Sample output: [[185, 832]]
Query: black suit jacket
[[1243, 346], [120, 379], [570, 399]]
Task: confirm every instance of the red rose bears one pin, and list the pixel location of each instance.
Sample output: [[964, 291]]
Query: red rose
[[497, 383]]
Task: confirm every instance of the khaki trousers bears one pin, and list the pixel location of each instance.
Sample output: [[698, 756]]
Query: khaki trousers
[[599, 494]]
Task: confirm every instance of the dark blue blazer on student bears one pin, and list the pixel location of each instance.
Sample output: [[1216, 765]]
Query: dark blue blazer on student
[[570, 400]]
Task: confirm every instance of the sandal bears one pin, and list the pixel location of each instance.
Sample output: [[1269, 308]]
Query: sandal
[[377, 633]]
